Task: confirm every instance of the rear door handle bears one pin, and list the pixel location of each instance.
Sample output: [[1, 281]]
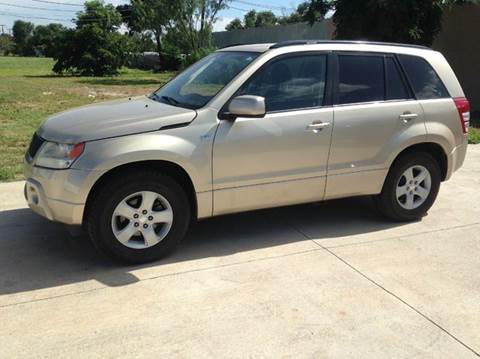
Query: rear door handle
[[317, 126], [407, 116]]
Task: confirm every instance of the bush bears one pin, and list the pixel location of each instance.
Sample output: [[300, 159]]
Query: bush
[[474, 135], [89, 51], [95, 47]]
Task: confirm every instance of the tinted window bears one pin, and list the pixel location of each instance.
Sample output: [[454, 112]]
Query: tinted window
[[396, 89], [290, 83], [424, 80], [361, 79]]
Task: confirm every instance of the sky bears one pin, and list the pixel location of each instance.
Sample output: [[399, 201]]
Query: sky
[[47, 11]]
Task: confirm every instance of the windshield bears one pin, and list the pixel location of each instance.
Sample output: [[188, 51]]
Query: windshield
[[199, 83]]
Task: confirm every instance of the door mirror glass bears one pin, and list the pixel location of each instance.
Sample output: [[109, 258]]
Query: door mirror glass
[[247, 106]]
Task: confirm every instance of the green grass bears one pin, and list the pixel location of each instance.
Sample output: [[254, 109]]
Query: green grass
[[29, 92], [474, 135]]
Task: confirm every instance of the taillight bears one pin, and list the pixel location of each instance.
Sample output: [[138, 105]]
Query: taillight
[[463, 107]]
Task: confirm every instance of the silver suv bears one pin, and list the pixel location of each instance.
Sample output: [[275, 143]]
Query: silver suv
[[251, 127]]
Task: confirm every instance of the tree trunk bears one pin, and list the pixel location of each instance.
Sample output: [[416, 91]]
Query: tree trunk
[[158, 40]]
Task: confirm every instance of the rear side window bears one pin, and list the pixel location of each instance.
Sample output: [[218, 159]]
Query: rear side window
[[424, 79], [290, 83], [361, 79], [396, 89]]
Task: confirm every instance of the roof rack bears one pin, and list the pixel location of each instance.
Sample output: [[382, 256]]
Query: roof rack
[[312, 42], [231, 45]]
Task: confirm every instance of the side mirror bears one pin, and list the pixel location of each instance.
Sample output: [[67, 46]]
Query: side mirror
[[247, 106]]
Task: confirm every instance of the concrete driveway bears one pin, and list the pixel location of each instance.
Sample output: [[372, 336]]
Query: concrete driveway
[[322, 280]]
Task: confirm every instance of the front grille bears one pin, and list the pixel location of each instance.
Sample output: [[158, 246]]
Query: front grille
[[35, 145]]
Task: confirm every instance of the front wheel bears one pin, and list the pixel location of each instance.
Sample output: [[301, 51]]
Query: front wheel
[[410, 188], [140, 217]]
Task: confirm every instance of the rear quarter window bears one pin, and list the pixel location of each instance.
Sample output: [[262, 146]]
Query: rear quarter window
[[423, 78]]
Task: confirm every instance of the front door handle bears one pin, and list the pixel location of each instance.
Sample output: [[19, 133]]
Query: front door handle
[[317, 126], [407, 116]]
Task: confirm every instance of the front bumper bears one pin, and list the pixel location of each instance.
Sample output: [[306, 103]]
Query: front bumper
[[59, 195], [54, 210]]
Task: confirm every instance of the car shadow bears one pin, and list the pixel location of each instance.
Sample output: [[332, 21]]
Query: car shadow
[[37, 254]]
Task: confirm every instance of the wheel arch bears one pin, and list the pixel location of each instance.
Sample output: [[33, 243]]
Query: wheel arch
[[433, 149], [169, 168]]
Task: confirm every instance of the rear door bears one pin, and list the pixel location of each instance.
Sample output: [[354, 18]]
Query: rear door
[[374, 110]]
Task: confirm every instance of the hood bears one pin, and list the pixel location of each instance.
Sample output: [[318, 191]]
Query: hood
[[112, 119]]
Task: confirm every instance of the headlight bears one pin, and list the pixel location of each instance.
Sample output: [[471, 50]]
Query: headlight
[[58, 155]]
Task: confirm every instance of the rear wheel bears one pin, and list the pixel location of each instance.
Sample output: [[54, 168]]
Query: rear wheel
[[139, 217], [410, 188]]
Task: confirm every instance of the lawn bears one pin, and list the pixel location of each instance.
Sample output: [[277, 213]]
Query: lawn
[[474, 135], [29, 92]]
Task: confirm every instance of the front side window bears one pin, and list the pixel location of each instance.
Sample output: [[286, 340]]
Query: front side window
[[425, 81], [199, 83], [290, 83], [361, 79]]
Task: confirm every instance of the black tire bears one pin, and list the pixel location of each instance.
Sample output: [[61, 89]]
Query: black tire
[[387, 202], [99, 216]]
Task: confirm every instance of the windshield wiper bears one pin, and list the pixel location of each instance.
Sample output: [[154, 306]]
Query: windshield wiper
[[171, 100], [168, 99]]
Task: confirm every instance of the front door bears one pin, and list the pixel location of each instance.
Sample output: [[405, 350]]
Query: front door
[[282, 158]]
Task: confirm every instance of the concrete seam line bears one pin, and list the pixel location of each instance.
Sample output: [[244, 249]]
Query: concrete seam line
[[403, 236], [391, 294], [164, 276]]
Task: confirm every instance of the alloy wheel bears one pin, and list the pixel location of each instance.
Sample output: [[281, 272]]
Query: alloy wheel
[[413, 187], [141, 220]]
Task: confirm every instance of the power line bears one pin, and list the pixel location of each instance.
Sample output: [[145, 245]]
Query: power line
[[32, 17], [48, 9], [58, 3], [81, 20], [264, 6], [236, 8], [35, 7]]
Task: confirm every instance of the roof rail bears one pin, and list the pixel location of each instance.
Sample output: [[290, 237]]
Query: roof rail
[[312, 42], [231, 45]]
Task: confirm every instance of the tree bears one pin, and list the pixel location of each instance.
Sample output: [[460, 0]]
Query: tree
[[411, 21], [265, 19], [194, 23], [154, 16], [315, 10], [294, 17], [94, 47], [249, 19], [255, 19], [22, 33], [6, 44], [235, 24], [126, 11], [407, 21], [304, 13], [45, 39]]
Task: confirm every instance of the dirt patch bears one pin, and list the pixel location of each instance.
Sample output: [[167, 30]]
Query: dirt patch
[[99, 92]]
